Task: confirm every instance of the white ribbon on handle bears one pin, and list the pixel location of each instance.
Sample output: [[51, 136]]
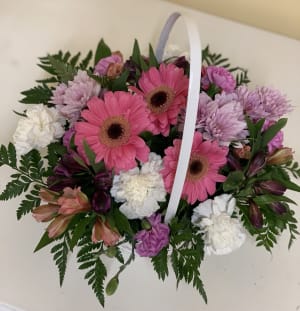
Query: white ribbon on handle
[[191, 108]]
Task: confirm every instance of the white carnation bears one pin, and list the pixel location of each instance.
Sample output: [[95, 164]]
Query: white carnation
[[223, 234], [140, 190], [42, 126]]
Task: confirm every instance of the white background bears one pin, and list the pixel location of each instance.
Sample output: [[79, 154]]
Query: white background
[[245, 280]]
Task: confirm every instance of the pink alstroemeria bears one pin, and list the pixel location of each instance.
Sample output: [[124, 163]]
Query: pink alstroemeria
[[58, 226], [73, 201], [103, 232]]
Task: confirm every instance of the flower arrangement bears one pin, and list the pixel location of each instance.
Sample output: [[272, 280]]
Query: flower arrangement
[[96, 152]]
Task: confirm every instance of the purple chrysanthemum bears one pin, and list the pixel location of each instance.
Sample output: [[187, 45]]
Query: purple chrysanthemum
[[151, 242], [219, 76], [263, 102], [72, 98], [277, 141], [221, 119]]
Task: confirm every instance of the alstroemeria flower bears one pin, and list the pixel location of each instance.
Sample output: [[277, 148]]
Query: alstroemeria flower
[[103, 232], [73, 201]]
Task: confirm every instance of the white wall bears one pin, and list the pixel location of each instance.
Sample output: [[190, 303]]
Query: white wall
[[245, 280]]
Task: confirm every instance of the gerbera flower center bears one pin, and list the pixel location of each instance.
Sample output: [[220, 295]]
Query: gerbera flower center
[[114, 131], [198, 167], [160, 99]]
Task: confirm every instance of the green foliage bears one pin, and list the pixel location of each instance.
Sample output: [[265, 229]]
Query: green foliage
[[29, 176], [120, 221], [63, 70], [293, 168], [85, 62], [89, 259], [44, 241], [160, 263], [273, 224], [214, 59], [187, 253], [233, 181], [82, 226], [60, 256], [119, 84], [153, 62], [31, 201], [55, 152], [102, 51], [40, 94]]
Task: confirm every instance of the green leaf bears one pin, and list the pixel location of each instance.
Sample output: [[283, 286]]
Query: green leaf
[[121, 222], [13, 189], [85, 62], [271, 132], [63, 70], [74, 59], [119, 84], [40, 94], [152, 58], [27, 205], [44, 241], [270, 198], [102, 51], [12, 156], [79, 231], [60, 257], [92, 157], [233, 181], [160, 263], [143, 64], [136, 53], [198, 284]]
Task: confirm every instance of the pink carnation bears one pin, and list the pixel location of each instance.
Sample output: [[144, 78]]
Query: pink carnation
[[220, 77]]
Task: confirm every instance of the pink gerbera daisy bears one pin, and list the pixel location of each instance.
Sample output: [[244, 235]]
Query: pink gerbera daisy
[[207, 157], [111, 130], [165, 91]]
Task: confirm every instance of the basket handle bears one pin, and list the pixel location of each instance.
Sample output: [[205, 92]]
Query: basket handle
[[192, 104]]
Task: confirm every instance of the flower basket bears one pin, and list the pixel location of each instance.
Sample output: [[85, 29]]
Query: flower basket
[[142, 151]]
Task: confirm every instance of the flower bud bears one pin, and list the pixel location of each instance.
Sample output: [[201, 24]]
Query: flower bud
[[257, 163], [58, 226], [243, 153], [255, 215], [111, 252], [280, 156], [278, 208], [48, 195], [101, 202], [233, 162], [103, 232], [273, 187], [112, 286], [44, 213]]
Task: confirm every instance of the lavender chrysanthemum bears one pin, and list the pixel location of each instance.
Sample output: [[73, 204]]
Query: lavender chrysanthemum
[[221, 119], [263, 102], [72, 98], [151, 242]]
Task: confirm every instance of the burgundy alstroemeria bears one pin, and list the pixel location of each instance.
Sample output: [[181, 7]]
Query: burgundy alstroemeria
[[255, 215]]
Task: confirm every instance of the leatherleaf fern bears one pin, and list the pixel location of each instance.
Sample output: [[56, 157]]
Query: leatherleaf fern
[[186, 254], [27, 179]]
